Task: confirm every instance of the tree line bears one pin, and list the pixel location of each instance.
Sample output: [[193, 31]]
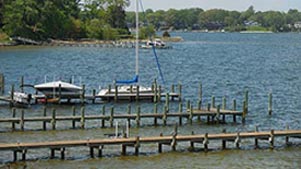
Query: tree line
[[107, 19]]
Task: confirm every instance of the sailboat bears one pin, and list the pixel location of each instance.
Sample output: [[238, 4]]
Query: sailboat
[[129, 86]]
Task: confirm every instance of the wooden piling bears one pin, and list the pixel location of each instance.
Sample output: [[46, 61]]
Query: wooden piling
[[22, 84], [93, 94], [234, 109], [271, 139], [82, 119], [11, 104], [13, 123], [138, 116], [159, 93], [206, 142], [53, 120], [103, 113], [73, 114], [116, 94], [190, 114], [112, 117], [244, 112], [172, 90], [180, 92], [224, 142], [218, 114], [82, 96], [180, 111], [129, 109], [237, 140], [2, 84], [247, 101], [44, 122], [213, 101], [60, 93], [167, 101], [270, 109], [164, 118], [137, 93], [137, 145], [155, 112], [22, 120]]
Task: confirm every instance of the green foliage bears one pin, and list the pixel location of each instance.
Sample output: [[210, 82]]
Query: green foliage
[[147, 32]]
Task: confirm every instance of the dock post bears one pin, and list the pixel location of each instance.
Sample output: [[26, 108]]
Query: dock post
[[224, 107], [22, 84], [247, 101], [2, 84], [123, 149], [22, 120], [93, 94], [73, 114], [155, 112], [24, 151], [234, 109], [44, 122], [116, 94], [164, 118], [137, 146], [103, 114], [256, 139], [206, 142], [138, 116], [213, 101], [155, 93], [270, 109], [82, 119], [180, 91], [287, 137], [172, 91], [100, 151], [244, 112], [174, 139], [11, 104], [110, 89], [53, 120], [129, 110], [60, 93], [271, 139], [15, 156], [191, 114], [208, 109], [82, 97], [218, 114], [224, 142], [160, 145], [52, 153], [14, 116], [159, 93], [62, 153], [137, 93], [112, 117], [180, 111], [200, 92], [92, 152], [237, 140], [167, 101]]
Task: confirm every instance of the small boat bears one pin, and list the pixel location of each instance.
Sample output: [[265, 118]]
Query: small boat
[[157, 43], [59, 89], [22, 98]]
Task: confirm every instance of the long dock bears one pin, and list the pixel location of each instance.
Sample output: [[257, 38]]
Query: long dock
[[136, 142], [215, 115]]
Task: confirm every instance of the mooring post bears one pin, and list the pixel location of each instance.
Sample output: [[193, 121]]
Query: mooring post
[[2, 84], [93, 95], [22, 120], [44, 122], [180, 111], [116, 94], [191, 114], [164, 118], [224, 142], [244, 112], [100, 151], [62, 153], [155, 93], [137, 145], [208, 109], [234, 109], [24, 151], [224, 107], [188, 106], [271, 139], [218, 113], [155, 112], [256, 139], [180, 91], [206, 142], [172, 91], [22, 84], [103, 114], [60, 93], [213, 101], [247, 101], [112, 117], [73, 114], [167, 101], [82, 119], [11, 104], [287, 137], [14, 115], [129, 109], [160, 145], [137, 93], [52, 153], [237, 140], [82, 97], [138, 116], [270, 109], [159, 93], [174, 139], [200, 92], [109, 89], [53, 120]]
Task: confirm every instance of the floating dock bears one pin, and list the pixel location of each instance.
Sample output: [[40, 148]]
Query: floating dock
[[136, 142]]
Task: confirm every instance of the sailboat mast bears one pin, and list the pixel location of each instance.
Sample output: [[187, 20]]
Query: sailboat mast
[[137, 38]]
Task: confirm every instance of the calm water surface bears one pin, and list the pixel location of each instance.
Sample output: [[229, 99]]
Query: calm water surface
[[226, 64]]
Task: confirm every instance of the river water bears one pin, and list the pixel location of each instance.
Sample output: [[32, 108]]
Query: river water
[[227, 64]]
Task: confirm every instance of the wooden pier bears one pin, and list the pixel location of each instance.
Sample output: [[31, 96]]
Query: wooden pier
[[136, 142], [214, 115]]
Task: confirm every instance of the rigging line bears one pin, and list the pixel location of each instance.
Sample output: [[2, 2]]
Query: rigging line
[[158, 64]]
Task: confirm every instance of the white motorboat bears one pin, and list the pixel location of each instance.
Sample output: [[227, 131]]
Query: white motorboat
[[157, 43], [59, 89]]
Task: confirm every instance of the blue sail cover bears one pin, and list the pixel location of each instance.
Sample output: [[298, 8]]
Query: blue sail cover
[[134, 80]]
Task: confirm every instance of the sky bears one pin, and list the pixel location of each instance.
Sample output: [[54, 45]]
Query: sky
[[238, 5]]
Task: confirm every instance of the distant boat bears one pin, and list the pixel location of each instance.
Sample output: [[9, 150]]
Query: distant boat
[[59, 89], [22, 98], [157, 43]]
